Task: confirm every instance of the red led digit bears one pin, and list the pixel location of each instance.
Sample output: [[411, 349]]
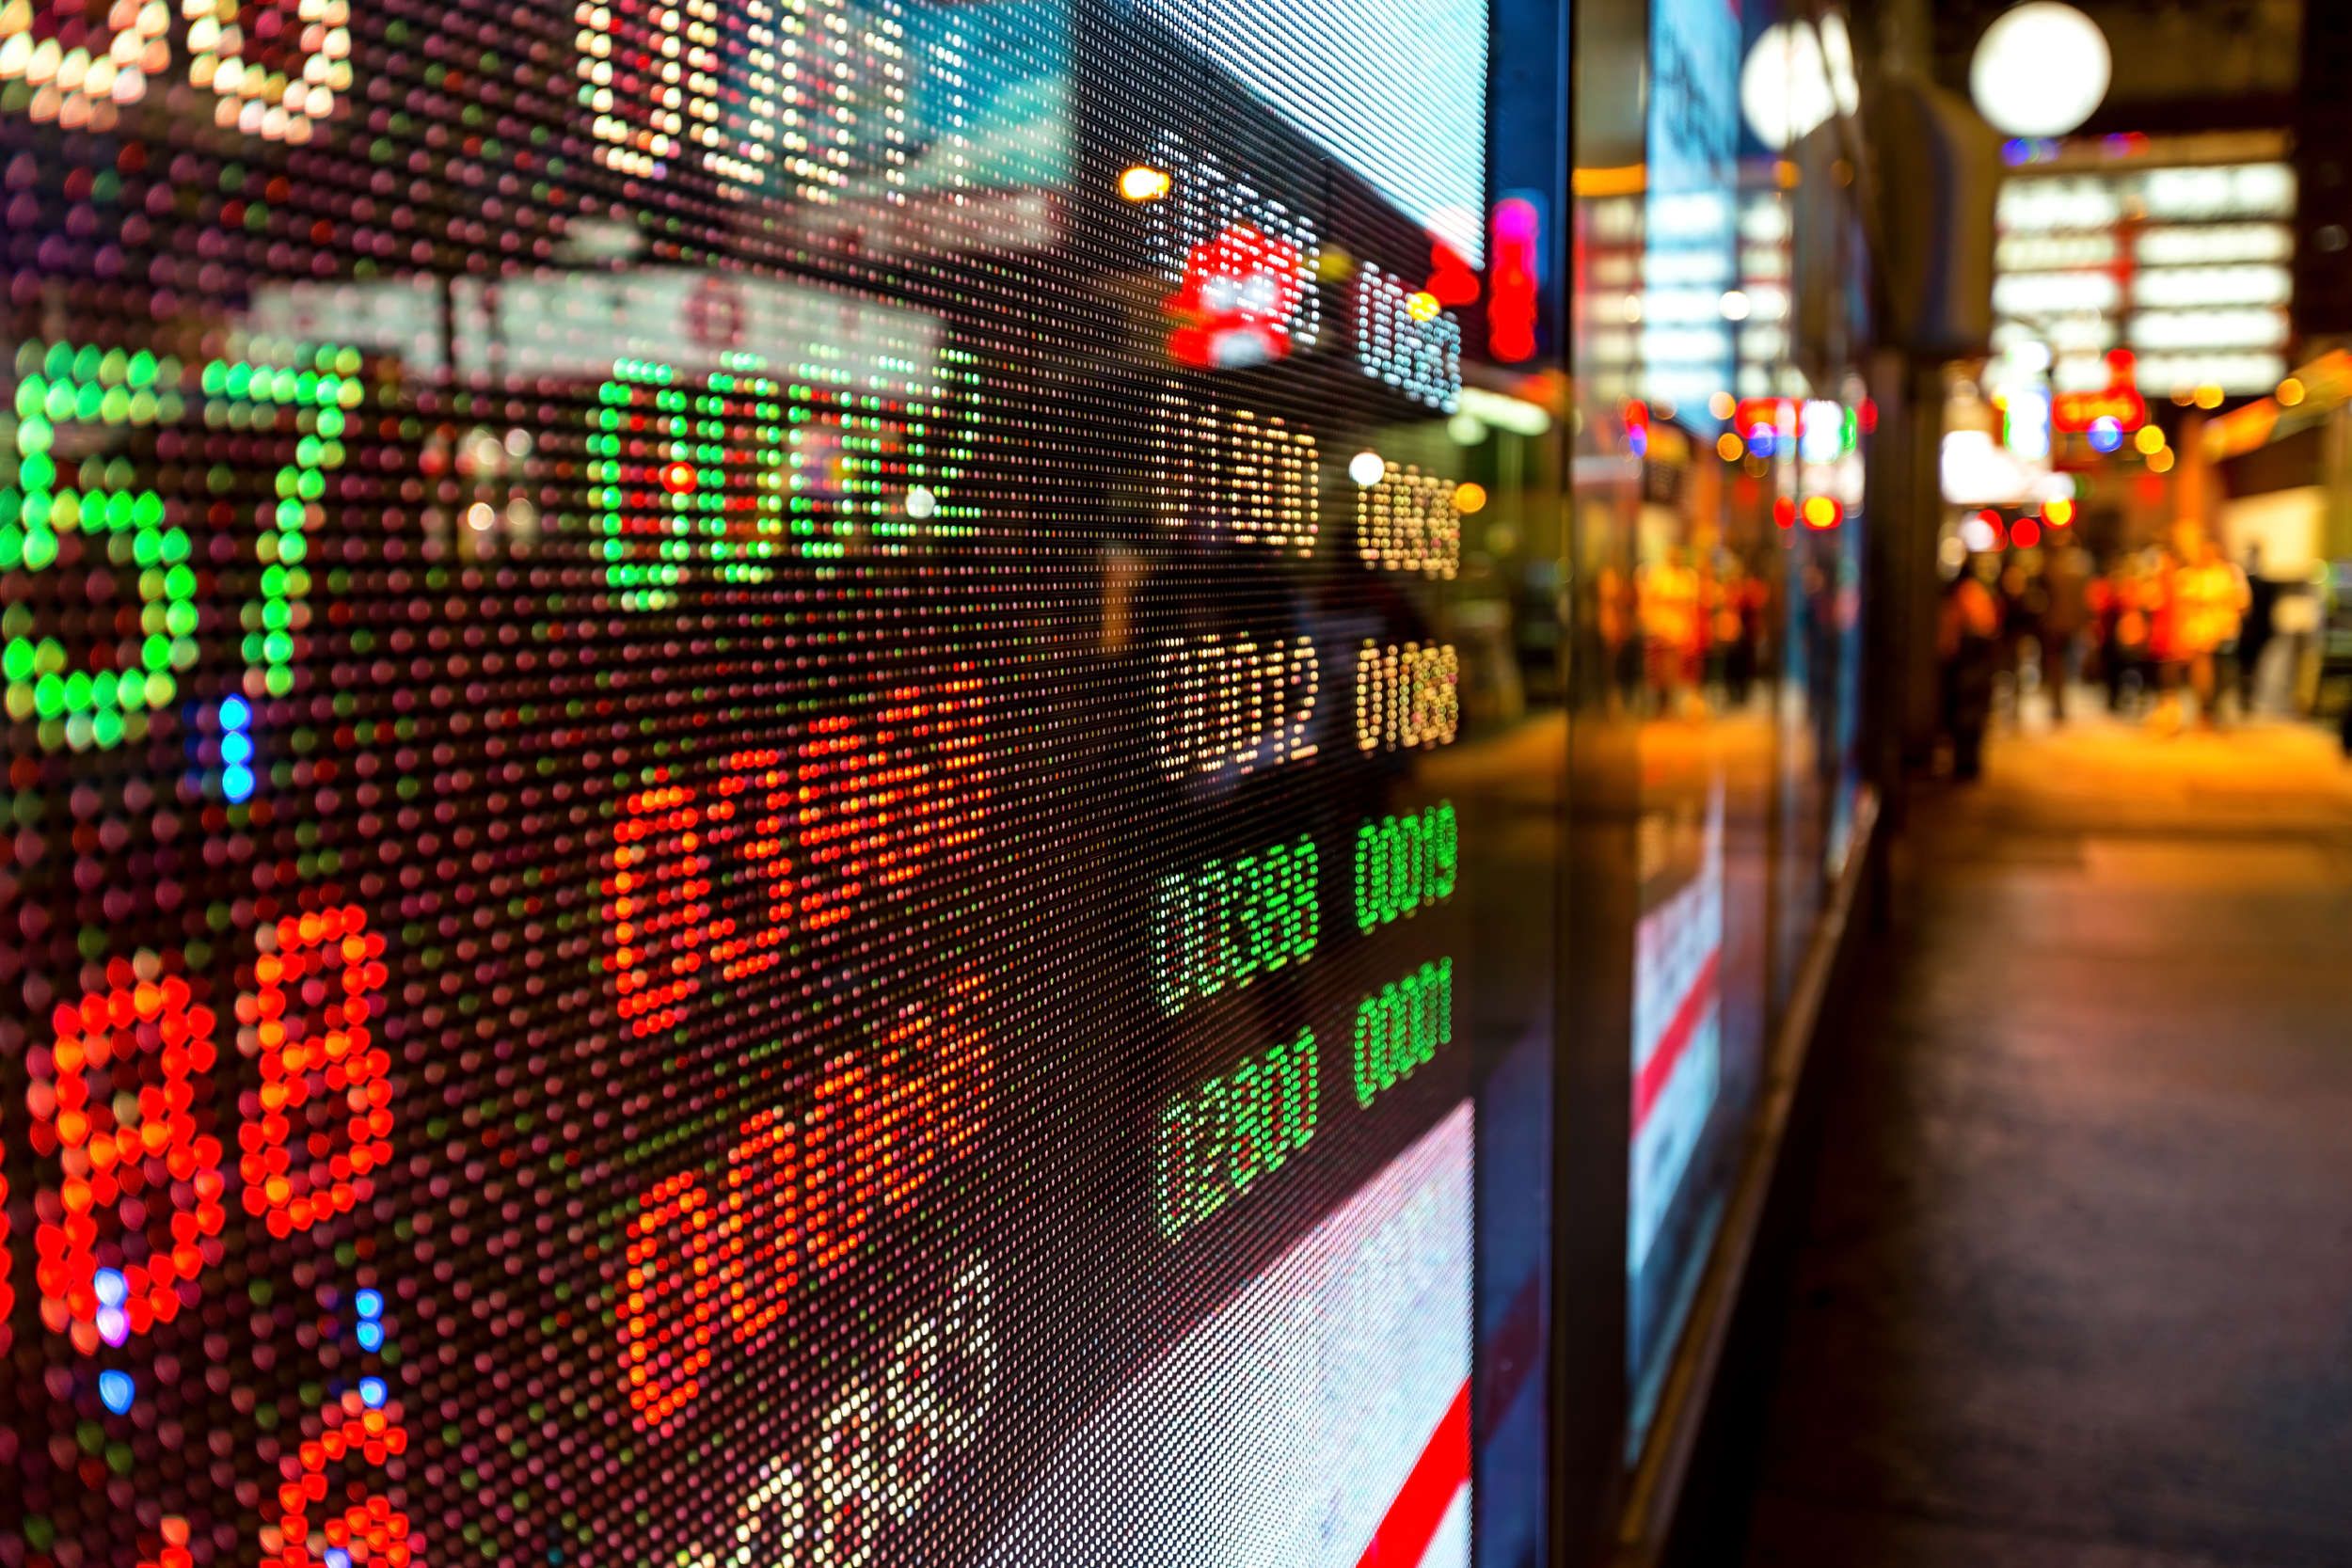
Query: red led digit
[[936, 1072], [683, 1264], [325, 1121], [844, 1186], [701, 879], [660, 906], [119, 1103], [749, 817], [885, 791], [766, 1221], [321, 1524]]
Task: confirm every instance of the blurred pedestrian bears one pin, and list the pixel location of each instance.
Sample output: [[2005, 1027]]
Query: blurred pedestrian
[[2255, 632], [1737, 620], [2160, 596], [1969, 636], [2065, 614], [1673, 632], [2210, 597], [2025, 605], [2123, 599]]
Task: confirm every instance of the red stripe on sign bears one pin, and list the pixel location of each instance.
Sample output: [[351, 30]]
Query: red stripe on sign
[[1659, 1069], [1443, 1469]]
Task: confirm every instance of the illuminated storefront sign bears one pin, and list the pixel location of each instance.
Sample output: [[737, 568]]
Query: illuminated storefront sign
[[2073, 413], [2189, 268]]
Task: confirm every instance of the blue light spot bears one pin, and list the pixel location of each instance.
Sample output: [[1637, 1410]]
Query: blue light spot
[[237, 783], [338, 1557], [117, 1391], [112, 1289], [369, 1303], [2107, 433], [372, 1392], [1637, 441], [370, 1336], [234, 714], [236, 747]]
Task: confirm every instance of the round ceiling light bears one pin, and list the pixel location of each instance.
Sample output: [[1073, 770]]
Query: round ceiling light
[[1796, 78], [2041, 70]]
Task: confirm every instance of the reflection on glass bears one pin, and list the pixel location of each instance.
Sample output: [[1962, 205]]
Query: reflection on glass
[[1731, 623]]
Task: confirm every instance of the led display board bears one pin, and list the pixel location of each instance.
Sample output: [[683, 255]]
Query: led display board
[[752, 809]]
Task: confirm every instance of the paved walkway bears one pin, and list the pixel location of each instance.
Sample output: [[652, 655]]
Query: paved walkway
[[2077, 1287]]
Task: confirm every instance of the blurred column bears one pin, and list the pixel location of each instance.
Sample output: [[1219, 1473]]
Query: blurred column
[[2335, 477], [1933, 166]]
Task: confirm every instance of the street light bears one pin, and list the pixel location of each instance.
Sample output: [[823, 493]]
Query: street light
[[2041, 70]]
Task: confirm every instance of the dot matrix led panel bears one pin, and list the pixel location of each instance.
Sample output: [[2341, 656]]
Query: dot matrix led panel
[[716, 849]]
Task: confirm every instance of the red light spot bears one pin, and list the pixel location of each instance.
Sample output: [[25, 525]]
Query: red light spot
[[678, 477], [1784, 512], [1451, 280], [2027, 534], [1515, 270], [1241, 297]]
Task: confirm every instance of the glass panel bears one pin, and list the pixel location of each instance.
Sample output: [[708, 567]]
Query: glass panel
[[1724, 331], [785, 783]]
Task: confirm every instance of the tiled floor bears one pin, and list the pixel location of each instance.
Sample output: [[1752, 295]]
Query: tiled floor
[[2077, 1282]]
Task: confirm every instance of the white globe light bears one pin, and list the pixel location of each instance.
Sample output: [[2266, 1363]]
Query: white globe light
[[2041, 70], [1796, 78], [1367, 468]]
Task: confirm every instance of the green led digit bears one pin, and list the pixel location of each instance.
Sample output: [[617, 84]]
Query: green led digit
[[322, 394], [101, 499], [1444, 852], [1401, 1028], [1227, 923], [1223, 1136], [1405, 864]]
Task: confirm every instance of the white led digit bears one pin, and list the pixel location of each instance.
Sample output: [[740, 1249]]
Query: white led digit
[[1404, 339]]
